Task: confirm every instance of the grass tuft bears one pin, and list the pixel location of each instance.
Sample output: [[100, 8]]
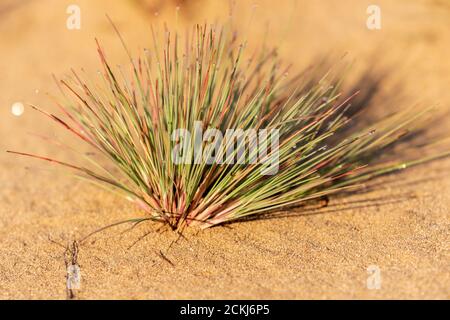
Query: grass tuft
[[129, 121]]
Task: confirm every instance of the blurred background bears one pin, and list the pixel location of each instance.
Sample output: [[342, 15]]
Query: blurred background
[[409, 52]]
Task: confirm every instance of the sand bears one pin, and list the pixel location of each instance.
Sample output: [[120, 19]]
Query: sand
[[401, 228]]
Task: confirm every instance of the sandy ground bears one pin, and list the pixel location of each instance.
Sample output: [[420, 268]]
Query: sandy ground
[[402, 227]]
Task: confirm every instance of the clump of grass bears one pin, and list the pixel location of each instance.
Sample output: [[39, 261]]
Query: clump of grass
[[129, 121]]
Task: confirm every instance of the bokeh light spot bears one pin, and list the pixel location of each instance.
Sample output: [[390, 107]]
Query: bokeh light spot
[[17, 109]]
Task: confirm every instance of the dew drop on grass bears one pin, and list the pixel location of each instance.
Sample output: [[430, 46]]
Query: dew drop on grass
[[17, 109]]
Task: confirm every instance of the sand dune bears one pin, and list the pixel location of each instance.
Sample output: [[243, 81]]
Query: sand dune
[[401, 228]]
